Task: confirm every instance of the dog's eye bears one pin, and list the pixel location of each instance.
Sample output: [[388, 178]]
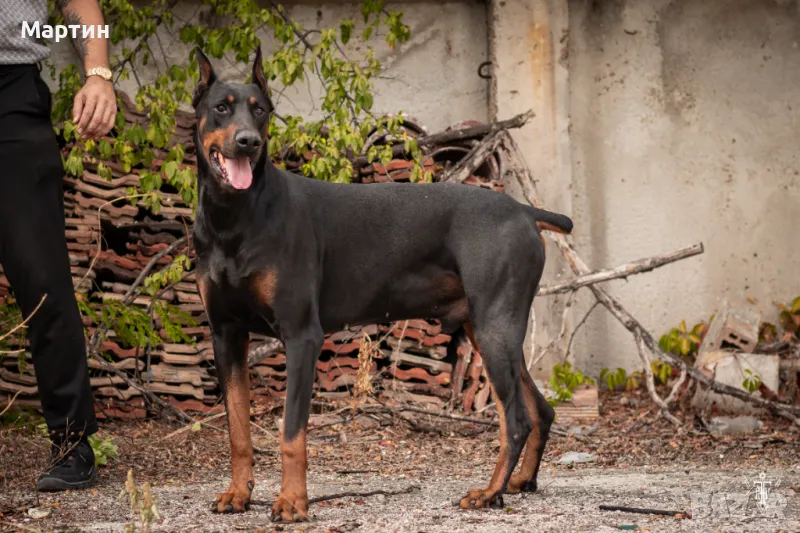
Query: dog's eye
[[258, 111], [221, 108]]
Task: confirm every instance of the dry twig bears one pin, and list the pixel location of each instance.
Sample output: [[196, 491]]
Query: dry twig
[[623, 271], [24, 322], [10, 403], [473, 159], [446, 137], [407, 490]]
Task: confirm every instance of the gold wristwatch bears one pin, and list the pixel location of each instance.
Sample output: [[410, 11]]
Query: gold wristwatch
[[102, 72]]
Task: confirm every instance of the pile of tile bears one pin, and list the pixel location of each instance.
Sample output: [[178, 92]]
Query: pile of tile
[[110, 244]]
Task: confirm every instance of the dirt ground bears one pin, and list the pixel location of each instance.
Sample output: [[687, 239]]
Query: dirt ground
[[640, 462]]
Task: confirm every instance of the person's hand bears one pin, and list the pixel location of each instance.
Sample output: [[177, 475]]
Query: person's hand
[[95, 108]]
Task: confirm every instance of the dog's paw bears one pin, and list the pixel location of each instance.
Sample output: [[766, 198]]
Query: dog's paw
[[481, 499], [233, 501], [517, 485], [290, 509]]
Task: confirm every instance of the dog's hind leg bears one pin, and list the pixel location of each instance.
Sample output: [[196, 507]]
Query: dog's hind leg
[[500, 346], [230, 356], [302, 350], [542, 415]]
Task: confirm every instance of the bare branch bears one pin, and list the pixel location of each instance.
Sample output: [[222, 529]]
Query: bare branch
[[623, 271], [22, 324]]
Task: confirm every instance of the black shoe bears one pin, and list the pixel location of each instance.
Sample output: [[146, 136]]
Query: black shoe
[[73, 468]]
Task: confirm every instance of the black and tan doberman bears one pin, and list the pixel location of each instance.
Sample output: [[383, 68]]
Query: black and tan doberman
[[293, 258]]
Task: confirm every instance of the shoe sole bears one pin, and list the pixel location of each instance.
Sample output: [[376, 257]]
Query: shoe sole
[[54, 484]]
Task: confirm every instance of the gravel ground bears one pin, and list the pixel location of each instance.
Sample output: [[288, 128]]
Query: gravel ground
[[569, 501], [641, 462]]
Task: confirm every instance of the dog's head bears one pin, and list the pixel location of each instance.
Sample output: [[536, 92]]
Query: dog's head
[[232, 124]]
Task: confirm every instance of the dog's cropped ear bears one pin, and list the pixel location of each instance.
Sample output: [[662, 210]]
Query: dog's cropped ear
[[207, 77], [259, 78]]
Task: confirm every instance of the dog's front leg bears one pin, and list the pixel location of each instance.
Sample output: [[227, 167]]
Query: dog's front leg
[[230, 356], [302, 351]]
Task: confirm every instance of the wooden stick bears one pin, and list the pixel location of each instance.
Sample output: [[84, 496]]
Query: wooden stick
[[525, 180], [474, 159], [651, 386], [22, 324], [560, 336], [578, 326], [445, 137], [187, 427], [639, 510], [10, 403], [407, 490], [673, 395], [623, 271], [258, 353], [464, 418]]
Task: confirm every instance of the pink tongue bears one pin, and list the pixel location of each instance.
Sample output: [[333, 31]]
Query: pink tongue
[[239, 172]]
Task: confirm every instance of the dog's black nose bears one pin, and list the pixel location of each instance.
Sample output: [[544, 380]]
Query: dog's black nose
[[248, 140]]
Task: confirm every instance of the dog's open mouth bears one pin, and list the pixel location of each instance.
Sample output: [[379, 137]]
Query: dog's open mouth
[[238, 172]]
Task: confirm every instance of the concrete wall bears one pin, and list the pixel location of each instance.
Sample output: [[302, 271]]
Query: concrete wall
[[685, 124], [434, 76], [660, 123]]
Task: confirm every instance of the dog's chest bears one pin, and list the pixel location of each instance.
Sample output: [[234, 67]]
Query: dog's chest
[[227, 270]]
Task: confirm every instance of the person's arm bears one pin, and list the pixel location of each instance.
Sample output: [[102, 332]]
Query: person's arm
[[95, 107]]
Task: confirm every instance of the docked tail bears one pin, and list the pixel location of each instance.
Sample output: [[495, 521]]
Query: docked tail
[[545, 220]]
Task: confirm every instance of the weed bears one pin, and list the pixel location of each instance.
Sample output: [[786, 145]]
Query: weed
[[752, 382], [789, 320], [684, 342], [142, 503], [620, 378], [564, 381]]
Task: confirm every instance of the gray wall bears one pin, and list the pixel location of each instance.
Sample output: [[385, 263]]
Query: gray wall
[[685, 123], [434, 76], [660, 123]]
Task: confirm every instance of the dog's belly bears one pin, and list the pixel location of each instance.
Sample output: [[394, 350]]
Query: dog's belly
[[439, 295]]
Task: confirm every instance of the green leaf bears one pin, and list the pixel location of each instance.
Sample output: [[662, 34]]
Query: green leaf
[[170, 169], [685, 346], [346, 29], [796, 305], [104, 172]]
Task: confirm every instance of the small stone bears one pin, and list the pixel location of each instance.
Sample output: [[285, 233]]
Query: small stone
[[722, 425], [578, 431], [35, 512], [577, 457]]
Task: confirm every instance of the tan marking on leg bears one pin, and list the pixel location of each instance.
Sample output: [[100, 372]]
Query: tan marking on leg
[[533, 446], [471, 335], [481, 498], [292, 504], [265, 285], [237, 404]]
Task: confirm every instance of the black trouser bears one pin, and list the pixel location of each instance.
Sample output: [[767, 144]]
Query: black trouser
[[33, 250]]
